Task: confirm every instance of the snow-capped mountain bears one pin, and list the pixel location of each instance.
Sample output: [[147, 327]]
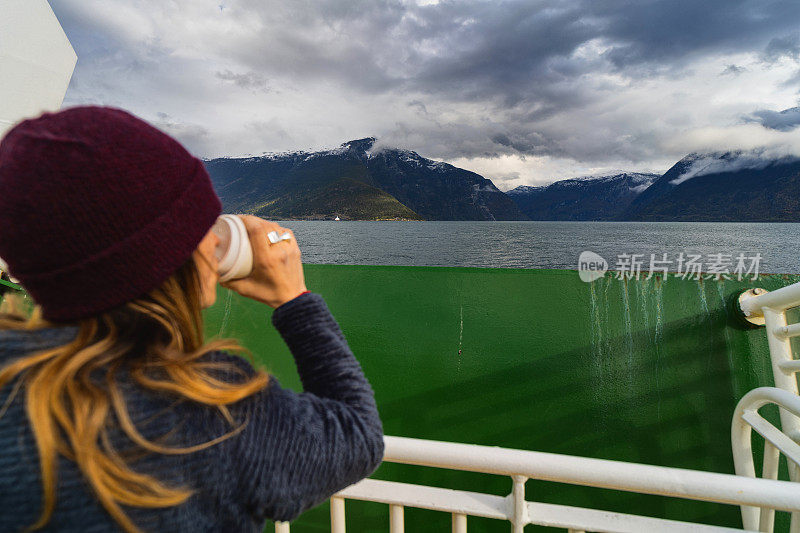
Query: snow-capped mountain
[[357, 180], [584, 198], [737, 186]]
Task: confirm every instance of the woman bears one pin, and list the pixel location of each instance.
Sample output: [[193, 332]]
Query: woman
[[114, 412]]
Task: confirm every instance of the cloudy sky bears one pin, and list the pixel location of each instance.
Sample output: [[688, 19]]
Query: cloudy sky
[[523, 92]]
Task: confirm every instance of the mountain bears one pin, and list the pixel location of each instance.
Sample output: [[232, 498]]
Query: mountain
[[723, 187], [356, 181], [591, 198]]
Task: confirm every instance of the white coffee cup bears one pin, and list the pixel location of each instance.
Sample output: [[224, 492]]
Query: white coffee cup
[[4, 268], [234, 252]]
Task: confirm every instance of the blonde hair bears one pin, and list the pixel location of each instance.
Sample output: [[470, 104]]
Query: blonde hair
[[69, 412]]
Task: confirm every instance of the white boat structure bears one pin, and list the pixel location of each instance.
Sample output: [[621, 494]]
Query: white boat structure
[[36, 63], [37, 60]]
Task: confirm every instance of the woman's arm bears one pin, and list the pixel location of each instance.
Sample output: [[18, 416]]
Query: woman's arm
[[299, 449]]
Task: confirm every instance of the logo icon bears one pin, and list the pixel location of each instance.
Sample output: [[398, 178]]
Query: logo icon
[[591, 266]]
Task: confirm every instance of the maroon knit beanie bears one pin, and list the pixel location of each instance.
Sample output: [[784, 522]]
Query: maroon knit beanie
[[97, 208]]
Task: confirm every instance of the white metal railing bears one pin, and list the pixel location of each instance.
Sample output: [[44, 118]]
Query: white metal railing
[[521, 465], [747, 418], [768, 309]]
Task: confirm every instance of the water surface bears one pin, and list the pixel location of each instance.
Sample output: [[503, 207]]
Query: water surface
[[535, 244]]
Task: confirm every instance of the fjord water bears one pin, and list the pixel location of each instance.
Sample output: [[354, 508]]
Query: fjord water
[[643, 370], [534, 244]]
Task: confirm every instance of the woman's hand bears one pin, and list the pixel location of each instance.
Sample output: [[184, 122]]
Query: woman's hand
[[277, 275]]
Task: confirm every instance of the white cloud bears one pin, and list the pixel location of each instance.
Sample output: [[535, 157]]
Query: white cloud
[[730, 162], [447, 80]]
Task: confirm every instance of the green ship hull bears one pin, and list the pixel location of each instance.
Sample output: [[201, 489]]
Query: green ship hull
[[646, 371]]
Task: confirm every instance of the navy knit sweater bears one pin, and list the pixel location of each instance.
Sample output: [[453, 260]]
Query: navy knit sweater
[[294, 452]]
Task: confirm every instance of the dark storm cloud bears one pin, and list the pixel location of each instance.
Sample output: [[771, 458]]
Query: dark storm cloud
[[526, 143], [781, 47], [506, 43], [785, 120], [793, 81], [194, 136], [249, 80], [524, 61], [514, 51], [733, 70], [481, 78], [663, 32]]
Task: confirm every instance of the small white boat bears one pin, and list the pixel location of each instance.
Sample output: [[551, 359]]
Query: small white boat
[[337, 218]]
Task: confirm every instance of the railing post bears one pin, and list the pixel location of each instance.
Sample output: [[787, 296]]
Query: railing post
[[459, 523], [780, 351], [769, 470], [337, 515], [396, 519], [520, 506]]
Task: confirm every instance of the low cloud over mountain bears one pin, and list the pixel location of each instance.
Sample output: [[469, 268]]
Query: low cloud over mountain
[[785, 120]]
